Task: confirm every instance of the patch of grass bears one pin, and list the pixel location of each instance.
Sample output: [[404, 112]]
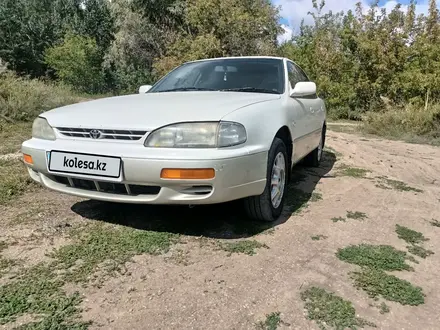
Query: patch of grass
[[419, 251], [14, 180], [376, 282], [13, 135], [39, 292], [338, 219], [435, 223], [410, 236], [246, 247], [386, 183], [383, 308], [327, 309], [356, 215], [354, 172], [318, 237], [315, 197], [272, 322], [383, 257], [333, 151], [297, 199], [114, 246]]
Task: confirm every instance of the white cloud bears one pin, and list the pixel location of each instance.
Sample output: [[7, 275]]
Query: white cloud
[[296, 10], [287, 35]]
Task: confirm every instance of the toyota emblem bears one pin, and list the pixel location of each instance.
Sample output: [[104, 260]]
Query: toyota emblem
[[95, 134]]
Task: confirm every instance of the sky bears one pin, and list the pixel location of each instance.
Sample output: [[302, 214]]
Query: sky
[[293, 11]]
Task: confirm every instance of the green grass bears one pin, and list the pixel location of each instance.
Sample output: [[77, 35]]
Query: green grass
[[356, 215], [38, 291], [272, 322], [338, 219], [376, 283], [386, 183], [14, 180], [354, 172], [383, 257], [246, 247], [327, 309], [419, 251], [410, 236], [13, 135], [316, 197], [333, 151], [107, 248], [383, 308], [318, 237], [435, 223]]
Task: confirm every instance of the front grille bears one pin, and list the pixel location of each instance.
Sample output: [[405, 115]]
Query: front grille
[[107, 134], [108, 187]]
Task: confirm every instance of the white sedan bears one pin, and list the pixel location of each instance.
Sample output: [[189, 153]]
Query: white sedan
[[210, 131]]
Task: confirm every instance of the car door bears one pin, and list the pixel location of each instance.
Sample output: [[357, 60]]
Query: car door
[[316, 113], [301, 115]]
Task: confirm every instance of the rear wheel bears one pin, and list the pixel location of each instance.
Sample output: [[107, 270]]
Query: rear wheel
[[314, 158], [269, 205]]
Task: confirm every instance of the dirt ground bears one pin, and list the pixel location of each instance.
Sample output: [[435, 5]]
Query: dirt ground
[[197, 285]]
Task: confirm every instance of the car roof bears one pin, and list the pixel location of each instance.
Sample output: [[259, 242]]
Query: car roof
[[238, 57]]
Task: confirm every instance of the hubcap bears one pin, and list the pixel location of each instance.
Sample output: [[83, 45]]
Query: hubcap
[[278, 180]]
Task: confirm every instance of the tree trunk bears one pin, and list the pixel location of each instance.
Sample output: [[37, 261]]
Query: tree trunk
[[427, 99]]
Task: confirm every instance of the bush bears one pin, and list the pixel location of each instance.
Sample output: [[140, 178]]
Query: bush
[[408, 122], [23, 99], [77, 62]]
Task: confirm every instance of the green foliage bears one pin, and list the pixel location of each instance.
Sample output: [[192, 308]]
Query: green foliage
[[14, 180], [246, 247], [338, 219], [37, 291], [318, 237], [100, 244], [272, 322], [384, 308], [354, 172], [377, 283], [77, 63], [386, 183], [419, 251], [356, 215], [409, 235], [327, 309], [435, 223], [24, 99], [383, 257], [29, 27]]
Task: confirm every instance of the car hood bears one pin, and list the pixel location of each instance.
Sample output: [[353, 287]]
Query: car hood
[[152, 110]]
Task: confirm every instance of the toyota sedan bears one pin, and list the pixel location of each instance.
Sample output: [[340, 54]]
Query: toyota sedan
[[210, 131]]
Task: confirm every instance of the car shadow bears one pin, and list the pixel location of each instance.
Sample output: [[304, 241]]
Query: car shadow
[[225, 221]]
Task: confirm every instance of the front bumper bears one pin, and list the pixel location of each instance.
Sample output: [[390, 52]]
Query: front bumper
[[239, 173]]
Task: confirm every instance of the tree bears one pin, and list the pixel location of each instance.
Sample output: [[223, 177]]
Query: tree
[[77, 63]]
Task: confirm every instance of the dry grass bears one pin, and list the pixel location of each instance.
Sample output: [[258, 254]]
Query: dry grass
[[411, 123], [23, 99]]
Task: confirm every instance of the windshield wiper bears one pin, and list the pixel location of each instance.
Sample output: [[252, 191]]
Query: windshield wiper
[[185, 89], [250, 89]]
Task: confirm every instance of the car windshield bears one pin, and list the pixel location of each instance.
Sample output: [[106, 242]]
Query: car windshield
[[253, 75]]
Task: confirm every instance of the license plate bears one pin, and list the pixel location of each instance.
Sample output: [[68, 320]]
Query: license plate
[[85, 164]]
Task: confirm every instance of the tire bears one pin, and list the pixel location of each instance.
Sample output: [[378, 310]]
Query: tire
[[314, 158], [263, 207]]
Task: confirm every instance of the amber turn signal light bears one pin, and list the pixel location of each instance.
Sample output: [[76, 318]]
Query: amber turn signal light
[[28, 159], [187, 174]]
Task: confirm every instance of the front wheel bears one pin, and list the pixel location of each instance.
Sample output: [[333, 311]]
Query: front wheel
[[269, 205]]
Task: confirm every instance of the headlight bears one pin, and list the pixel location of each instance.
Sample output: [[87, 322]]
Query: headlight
[[42, 130], [198, 135]]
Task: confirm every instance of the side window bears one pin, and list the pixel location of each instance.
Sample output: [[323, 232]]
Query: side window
[[294, 76], [302, 74]]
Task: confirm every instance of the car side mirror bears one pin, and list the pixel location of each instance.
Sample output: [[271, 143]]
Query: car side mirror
[[145, 88], [303, 88]]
